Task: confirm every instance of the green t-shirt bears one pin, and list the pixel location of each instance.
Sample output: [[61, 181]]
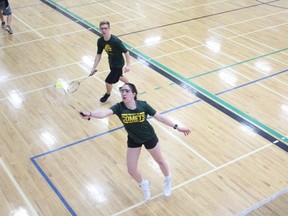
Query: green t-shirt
[[135, 121], [114, 48]]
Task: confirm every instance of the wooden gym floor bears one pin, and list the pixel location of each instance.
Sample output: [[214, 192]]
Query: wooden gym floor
[[216, 66]]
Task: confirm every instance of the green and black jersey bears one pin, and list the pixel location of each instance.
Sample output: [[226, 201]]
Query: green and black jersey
[[135, 121], [114, 48]]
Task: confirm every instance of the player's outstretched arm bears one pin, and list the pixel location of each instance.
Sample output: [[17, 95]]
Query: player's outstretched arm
[[170, 123], [99, 114]]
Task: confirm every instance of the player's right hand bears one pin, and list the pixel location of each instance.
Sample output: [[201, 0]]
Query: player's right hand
[[86, 115], [93, 72]]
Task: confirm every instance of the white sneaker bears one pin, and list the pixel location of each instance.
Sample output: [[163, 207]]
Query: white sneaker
[[167, 186], [145, 185], [8, 28]]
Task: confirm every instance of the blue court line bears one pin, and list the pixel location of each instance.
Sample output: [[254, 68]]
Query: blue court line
[[254, 81], [63, 200], [47, 179], [178, 79], [77, 142], [238, 63], [61, 197], [210, 98]]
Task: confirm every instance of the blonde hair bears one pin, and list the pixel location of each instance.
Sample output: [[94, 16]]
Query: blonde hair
[[104, 22]]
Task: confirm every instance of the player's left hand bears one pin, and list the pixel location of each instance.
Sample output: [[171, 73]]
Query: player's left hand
[[126, 68]]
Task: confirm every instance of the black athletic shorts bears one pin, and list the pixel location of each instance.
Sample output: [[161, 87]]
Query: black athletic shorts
[[114, 75], [6, 10], [148, 145]]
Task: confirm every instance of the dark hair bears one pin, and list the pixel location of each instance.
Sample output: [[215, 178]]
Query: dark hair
[[133, 89], [104, 22]]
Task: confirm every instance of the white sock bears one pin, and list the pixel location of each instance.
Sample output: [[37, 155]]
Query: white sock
[[168, 177]]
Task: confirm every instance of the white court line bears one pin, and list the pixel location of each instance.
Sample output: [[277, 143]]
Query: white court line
[[115, 12], [128, 11], [248, 20], [254, 68], [267, 57], [157, 42], [186, 8], [77, 21], [196, 178], [220, 35], [171, 53], [42, 39], [262, 203], [184, 144], [23, 43], [265, 45], [39, 89], [240, 74], [177, 52], [259, 30], [24, 197], [42, 36], [285, 63], [161, 3], [42, 71]]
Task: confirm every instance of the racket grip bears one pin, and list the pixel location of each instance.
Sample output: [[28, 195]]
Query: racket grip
[[82, 114]]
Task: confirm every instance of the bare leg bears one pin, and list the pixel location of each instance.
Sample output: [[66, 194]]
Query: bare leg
[[107, 94], [158, 157], [132, 163], [123, 79], [1, 16], [9, 19], [108, 88]]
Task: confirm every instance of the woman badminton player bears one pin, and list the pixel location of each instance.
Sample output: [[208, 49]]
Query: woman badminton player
[[133, 114]]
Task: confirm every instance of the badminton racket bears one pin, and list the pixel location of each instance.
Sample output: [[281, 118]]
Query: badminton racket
[[58, 97], [74, 85], [81, 113]]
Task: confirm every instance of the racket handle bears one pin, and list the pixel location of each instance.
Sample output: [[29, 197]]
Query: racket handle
[[82, 114]]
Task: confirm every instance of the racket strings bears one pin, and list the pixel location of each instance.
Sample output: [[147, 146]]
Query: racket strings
[[73, 86]]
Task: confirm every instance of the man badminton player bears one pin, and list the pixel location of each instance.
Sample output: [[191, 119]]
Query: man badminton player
[[115, 50], [133, 114]]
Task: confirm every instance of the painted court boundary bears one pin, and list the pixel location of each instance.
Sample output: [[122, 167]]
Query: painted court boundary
[[213, 100], [62, 198], [263, 202], [186, 83]]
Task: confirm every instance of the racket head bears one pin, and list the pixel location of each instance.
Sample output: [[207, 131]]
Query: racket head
[[58, 97], [73, 86], [55, 96]]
